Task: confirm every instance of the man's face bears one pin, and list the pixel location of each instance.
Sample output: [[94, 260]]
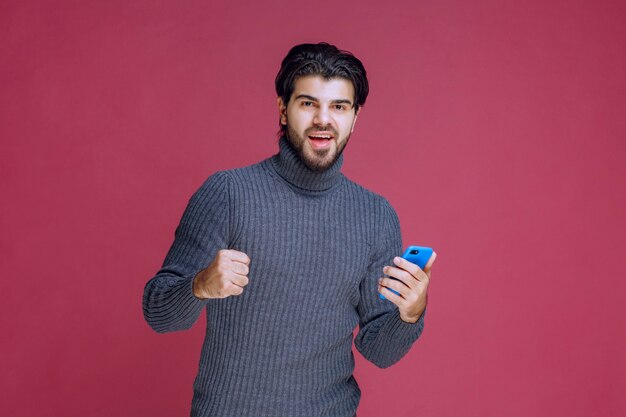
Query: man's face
[[320, 117]]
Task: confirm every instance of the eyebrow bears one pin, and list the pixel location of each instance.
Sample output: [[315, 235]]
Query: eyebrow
[[338, 101]]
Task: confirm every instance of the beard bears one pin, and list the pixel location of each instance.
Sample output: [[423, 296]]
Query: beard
[[318, 160]]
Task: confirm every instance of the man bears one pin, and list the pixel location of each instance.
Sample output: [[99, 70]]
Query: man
[[287, 257]]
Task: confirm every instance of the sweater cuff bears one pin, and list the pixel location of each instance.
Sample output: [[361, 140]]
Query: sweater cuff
[[201, 301], [405, 331]]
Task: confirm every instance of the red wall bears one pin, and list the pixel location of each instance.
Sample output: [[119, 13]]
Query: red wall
[[496, 129]]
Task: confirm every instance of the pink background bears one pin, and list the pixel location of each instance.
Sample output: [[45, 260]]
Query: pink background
[[496, 128]]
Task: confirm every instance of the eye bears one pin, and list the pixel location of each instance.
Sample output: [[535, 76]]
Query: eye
[[340, 107], [308, 103]]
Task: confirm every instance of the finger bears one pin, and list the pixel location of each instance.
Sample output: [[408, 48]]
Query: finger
[[235, 255], [400, 274], [391, 296], [240, 268], [413, 269], [233, 289], [430, 262], [395, 285], [407, 266], [239, 280]]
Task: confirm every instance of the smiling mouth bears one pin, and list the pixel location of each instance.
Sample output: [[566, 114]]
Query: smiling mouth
[[321, 141], [321, 136]]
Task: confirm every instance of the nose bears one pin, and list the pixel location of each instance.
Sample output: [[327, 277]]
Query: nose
[[322, 116]]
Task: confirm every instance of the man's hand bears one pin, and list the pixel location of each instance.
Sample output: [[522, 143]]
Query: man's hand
[[227, 275], [411, 282]]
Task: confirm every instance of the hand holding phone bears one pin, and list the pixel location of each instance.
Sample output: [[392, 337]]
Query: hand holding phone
[[419, 255]]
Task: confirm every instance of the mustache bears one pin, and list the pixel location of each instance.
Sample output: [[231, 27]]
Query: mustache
[[321, 129]]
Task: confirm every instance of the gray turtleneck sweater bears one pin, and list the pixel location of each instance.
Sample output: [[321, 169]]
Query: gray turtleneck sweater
[[317, 244]]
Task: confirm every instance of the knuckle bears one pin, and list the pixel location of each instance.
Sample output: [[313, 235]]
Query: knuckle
[[236, 290], [404, 263]]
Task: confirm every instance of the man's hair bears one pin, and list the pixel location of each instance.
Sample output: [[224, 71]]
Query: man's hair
[[324, 60]]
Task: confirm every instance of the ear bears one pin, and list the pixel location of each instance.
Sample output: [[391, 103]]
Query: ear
[[282, 111]]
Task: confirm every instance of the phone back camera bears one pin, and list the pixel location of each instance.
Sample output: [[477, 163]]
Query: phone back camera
[[414, 252]]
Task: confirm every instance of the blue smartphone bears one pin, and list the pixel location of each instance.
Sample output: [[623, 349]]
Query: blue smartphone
[[419, 255]]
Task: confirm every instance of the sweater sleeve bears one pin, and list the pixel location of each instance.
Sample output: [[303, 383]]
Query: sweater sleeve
[[168, 300], [383, 337]]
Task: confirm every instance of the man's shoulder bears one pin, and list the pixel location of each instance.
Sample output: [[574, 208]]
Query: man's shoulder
[[236, 175]]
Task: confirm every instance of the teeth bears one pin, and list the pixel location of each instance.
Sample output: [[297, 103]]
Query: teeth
[[321, 136]]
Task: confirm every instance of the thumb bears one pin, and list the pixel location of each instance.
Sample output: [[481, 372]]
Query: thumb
[[430, 262]]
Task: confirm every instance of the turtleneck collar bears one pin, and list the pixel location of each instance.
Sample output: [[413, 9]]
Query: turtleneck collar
[[289, 166]]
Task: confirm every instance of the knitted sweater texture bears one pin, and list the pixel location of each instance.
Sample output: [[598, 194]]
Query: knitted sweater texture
[[317, 244]]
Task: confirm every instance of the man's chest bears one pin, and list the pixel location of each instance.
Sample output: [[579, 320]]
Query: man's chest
[[302, 246]]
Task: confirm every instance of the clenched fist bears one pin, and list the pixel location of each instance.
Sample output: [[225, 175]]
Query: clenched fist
[[227, 275]]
